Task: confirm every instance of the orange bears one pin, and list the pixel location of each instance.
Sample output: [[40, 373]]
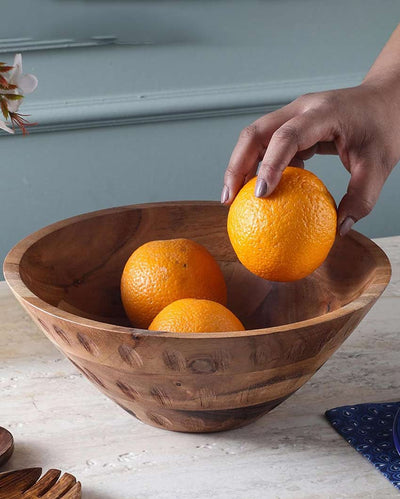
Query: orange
[[160, 272], [287, 235], [195, 316]]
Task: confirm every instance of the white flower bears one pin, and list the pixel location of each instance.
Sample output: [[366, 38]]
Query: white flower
[[4, 126], [13, 86], [26, 83]]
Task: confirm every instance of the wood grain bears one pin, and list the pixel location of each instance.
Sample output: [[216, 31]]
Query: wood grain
[[67, 277], [27, 484], [6, 445]]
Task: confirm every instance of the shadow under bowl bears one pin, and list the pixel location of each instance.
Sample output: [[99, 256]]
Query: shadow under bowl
[[67, 277]]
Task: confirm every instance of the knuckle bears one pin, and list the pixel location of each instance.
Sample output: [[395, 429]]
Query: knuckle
[[232, 172], [287, 133], [270, 170], [250, 132], [365, 207], [364, 141], [319, 101], [328, 101], [305, 100]]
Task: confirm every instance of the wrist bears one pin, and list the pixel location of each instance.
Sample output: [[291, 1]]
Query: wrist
[[382, 92], [381, 97]]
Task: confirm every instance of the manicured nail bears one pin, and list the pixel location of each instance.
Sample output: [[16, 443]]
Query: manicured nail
[[346, 225], [261, 188], [224, 194]]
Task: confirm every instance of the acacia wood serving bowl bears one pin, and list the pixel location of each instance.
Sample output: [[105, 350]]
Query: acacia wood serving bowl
[[67, 277]]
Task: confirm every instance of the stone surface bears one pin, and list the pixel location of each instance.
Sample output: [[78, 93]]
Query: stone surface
[[60, 420]]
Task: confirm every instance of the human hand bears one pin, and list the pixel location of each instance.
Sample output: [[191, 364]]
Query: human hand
[[361, 124]]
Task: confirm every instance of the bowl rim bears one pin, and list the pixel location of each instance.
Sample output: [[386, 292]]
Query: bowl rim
[[372, 291]]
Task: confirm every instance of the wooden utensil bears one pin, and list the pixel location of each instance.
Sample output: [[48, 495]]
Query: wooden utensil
[[67, 276], [27, 484], [6, 445]]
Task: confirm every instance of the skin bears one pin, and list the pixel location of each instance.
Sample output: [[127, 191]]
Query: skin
[[360, 124]]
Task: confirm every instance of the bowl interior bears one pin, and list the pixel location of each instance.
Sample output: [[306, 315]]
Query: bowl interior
[[76, 265]]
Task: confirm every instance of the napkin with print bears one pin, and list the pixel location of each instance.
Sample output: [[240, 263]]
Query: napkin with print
[[369, 429]]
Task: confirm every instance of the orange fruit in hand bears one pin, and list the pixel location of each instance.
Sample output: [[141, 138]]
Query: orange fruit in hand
[[287, 235], [195, 316], [160, 272]]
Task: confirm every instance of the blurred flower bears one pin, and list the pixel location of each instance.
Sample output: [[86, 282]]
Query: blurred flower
[[3, 126], [13, 86]]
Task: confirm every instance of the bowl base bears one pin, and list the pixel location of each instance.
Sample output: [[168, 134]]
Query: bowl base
[[207, 421]]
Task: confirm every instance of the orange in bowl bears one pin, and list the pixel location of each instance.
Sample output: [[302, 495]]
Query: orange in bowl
[[160, 272], [191, 315], [287, 235]]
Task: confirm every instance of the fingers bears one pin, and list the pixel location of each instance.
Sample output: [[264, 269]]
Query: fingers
[[326, 148], [249, 151], [296, 161], [365, 185], [243, 162], [300, 133], [319, 148]]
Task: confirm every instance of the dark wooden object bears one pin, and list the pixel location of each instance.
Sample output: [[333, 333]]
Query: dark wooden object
[[6, 445], [67, 277], [27, 484]]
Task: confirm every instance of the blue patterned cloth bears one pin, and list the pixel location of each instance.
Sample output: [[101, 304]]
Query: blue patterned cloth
[[369, 429]]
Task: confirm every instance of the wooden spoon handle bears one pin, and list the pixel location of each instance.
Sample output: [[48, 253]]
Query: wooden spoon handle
[[60, 489], [14, 483], [25, 484], [44, 484]]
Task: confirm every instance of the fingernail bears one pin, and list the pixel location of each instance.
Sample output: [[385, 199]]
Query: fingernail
[[346, 225], [261, 188], [224, 194]]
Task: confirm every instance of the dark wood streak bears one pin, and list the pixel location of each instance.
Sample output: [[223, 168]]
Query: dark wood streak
[[87, 344], [203, 365], [62, 334], [128, 390], [128, 410], [89, 374], [160, 395], [174, 360], [130, 356], [43, 324], [276, 379], [301, 348], [158, 420], [77, 366], [239, 413], [220, 420], [93, 377], [223, 359]]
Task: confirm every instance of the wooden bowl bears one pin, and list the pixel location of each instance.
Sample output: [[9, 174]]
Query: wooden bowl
[[67, 277]]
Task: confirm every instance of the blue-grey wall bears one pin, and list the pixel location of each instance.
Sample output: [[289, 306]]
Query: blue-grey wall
[[155, 115]]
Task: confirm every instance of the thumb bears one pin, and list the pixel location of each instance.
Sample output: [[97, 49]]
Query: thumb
[[362, 194]]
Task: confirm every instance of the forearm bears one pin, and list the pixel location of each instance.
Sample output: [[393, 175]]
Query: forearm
[[384, 74]]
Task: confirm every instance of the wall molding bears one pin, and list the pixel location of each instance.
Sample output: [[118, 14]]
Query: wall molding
[[208, 102], [11, 45]]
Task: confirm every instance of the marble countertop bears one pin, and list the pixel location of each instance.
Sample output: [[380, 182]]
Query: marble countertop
[[60, 420]]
